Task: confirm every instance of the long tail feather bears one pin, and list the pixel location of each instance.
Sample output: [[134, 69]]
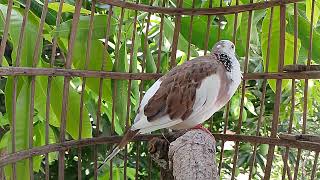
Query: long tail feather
[[126, 138]]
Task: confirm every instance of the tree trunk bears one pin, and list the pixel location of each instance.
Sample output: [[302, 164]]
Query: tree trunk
[[185, 155]]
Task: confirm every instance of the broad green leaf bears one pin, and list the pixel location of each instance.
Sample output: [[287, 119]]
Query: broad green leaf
[[36, 7], [198, 34], [31, 31], [40, 102], [73, 113], [4, 120], [121, 86], [22, 126], [66, 8], [4, 140], [98, 31], [230, 23], [304, 30], [249, 105], [39, 140], [150, 64], [242, 35], [316, 12], [230, 20], [23, 84], [116, 171], [188, 4], [135, 85], [274, 43], [263, 149], [182, 42], [96, 60]]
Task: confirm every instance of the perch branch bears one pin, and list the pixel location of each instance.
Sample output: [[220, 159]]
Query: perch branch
[[301, 67], [185, 155], [300, 137]]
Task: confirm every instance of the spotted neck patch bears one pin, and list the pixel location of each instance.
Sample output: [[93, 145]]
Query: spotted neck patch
[[225, 60]]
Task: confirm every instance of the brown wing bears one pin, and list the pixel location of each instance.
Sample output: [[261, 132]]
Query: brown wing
[[177, 92]]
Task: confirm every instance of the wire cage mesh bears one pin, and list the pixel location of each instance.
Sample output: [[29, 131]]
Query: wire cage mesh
[[73, 73]]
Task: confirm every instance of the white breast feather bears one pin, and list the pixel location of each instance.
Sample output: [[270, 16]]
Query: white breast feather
[[235, 75], [208, 93]]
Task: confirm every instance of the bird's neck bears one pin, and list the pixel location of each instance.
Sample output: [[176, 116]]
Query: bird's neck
[[225, 59]]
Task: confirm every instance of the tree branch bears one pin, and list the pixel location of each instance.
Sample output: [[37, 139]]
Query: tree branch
[[185, 155]]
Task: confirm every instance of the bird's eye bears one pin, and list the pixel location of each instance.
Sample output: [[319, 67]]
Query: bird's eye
[[232, 46]]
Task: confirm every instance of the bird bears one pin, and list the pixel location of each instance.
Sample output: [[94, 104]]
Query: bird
[[187, 95]]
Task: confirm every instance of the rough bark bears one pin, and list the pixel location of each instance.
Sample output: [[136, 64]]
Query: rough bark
[[185, 155]]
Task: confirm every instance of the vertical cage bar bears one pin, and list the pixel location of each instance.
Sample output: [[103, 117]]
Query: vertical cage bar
[[65, 96], [87, 62], [149, 167], [305, 94], [243, 90], [33, 80], [314, 167], [15, 83], [175, 37], [114, 92], [52, 60], [293, 90], [129, 87], [103, 64], [296, 168], [190, 32], [144, 55], [219, 22], [262, 99], [6, 30], [207, 31], [137, 161], [141, 87], [226, 119], [160, 38], [275, 120]]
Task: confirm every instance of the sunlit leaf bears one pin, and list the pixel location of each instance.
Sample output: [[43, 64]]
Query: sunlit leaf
[[5, 139], [98, 31], [150, 64], [316, 12], [121, 86], [23, 84], [66, 8], [182, 42], [73, 113], [275, 43], [304, 30]]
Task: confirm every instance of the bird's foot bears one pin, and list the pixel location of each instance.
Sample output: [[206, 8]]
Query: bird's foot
[[200, 126]]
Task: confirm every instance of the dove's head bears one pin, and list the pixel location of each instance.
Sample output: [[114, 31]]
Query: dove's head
[[224, 46]]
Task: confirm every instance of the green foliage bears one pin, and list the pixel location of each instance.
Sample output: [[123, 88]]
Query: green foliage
[[274, 45], [111, 60]]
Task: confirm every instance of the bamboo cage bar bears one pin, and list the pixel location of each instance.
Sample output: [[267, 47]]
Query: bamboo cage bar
[[7, 159], [48, 99], [28, 71], [66, 86], [263, 96], [293, 91], [145, 17], [243, 91], [83, 86], [198, 11], [227, 111]]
